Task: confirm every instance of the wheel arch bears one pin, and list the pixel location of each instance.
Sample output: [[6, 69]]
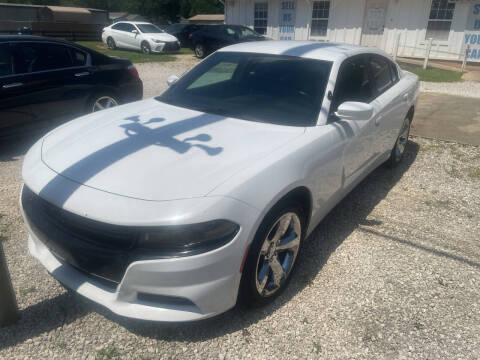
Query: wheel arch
[[411, 113], [298, 195]]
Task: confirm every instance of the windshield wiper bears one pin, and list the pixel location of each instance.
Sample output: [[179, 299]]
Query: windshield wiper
[[213, 110]]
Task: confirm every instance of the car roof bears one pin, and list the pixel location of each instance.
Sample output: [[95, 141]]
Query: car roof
[[308, 49], [133, 22], [7, 38]]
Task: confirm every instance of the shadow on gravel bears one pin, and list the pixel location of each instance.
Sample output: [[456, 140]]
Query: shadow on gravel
[[347, 216], [43, 317]]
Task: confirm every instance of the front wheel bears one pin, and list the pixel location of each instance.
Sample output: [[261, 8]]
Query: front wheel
[[145, 47], [398, 150], [272, 256], [200, 51]]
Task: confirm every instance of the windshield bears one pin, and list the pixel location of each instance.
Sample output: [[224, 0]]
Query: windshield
[[149, 28], [276, 89]]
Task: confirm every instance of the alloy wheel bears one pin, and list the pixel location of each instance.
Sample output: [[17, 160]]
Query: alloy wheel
[[278, 254], [111, 44], [403, 139], [104, 102], [145, 48], [199, 51]]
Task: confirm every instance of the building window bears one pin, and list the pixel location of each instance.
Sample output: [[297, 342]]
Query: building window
[[260, 18], [440, 20], [320, 14]]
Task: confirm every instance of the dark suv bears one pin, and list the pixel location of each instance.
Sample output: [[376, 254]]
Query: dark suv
[[47, 79], [182, 32], [213, 37]]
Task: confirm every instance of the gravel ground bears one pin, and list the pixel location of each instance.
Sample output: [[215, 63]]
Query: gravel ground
[[154, 75], [465, 88], [392, 272]]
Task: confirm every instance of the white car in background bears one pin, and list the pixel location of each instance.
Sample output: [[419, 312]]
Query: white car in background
[[174, 207], [142, 36]]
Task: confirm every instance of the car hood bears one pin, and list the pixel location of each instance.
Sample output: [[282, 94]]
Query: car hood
[[154, 151], [161, 36]]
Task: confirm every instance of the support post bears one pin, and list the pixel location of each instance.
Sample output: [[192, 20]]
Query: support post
[[427, 53], [396, 46], [8, 304], [465, 57]]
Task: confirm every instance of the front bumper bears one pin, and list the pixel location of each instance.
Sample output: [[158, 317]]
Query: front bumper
[[165, 47], [169, 290]]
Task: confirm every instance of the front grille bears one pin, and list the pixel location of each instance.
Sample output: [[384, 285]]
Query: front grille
[[99, 249], [171, 46]]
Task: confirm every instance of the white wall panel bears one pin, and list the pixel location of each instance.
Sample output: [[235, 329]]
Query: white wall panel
[[406, 17]]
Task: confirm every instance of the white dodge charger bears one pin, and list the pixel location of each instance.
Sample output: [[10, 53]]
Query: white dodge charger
[[176, 207]]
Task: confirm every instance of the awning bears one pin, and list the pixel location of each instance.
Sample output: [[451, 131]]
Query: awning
[[69, 14]]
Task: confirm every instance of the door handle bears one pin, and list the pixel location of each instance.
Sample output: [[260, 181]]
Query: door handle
[[12, 85], [80, 74]]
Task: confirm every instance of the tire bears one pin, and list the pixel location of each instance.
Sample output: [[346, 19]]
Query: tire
[[398, 150], [259, 285], [111, 43], [102, 101], [145, 48], [200, 51]]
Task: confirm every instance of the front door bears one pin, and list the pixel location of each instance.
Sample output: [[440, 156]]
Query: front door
[[374, 23], [354, 84]]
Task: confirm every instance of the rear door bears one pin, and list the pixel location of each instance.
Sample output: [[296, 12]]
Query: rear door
[[51, 81], [221, 36], [388, 103], [118, 31]]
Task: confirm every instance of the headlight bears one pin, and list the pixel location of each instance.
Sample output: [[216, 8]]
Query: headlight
[[157, 41], [188, 239]]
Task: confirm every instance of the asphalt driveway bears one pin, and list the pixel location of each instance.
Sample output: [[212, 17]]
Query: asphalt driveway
[[448, 117]]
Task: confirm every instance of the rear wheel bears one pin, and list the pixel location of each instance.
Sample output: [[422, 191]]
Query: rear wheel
[[111, 43], [272, 256], [398, 150], [102, 102], [200, 51], [145, 47]]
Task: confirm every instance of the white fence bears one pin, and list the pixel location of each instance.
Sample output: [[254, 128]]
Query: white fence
[[428, 51]]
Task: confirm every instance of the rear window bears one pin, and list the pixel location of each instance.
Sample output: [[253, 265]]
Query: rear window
[[381, 72], [5, 60]]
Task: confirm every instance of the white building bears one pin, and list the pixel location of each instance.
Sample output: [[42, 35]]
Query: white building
[[451, 23]]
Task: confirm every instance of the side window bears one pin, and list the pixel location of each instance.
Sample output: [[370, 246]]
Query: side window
[[129, 27], [5, 60], [230, 31], [381, 72], [118, 26], [79, 58], [394, 71], [33, 57], [353, 83]]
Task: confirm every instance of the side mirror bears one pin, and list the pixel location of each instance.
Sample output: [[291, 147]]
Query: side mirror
[[134, 31], [172, 79], [352, 110]]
